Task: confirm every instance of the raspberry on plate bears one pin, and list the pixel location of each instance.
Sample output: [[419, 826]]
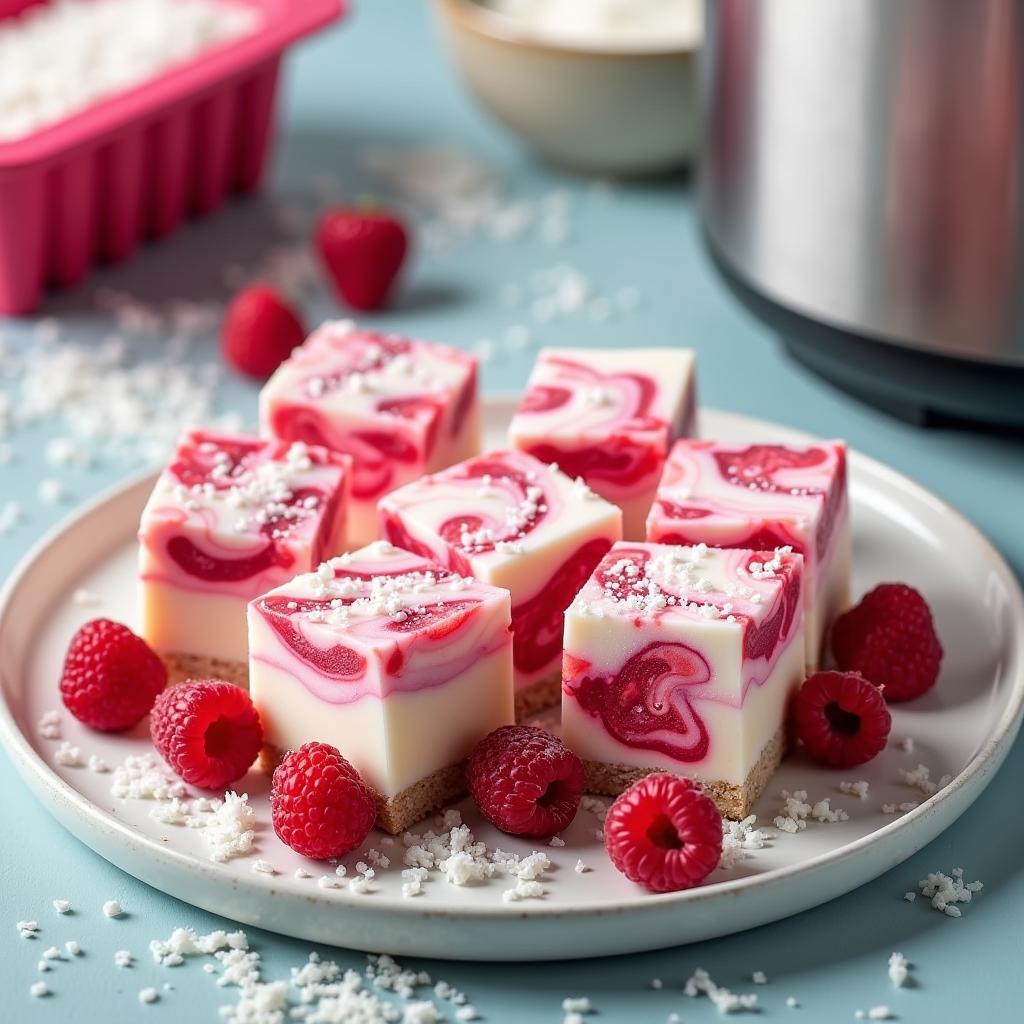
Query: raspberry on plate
[[841, 718], [111, 676], [208, 731], [525, 781], [664, 833], [890, 639], [319, 803]]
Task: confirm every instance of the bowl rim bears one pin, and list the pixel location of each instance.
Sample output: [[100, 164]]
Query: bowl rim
[[482, 20]]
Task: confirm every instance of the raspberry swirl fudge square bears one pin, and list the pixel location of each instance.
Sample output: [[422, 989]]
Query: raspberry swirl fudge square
[[401, 664], [765, 496], [515, 522], [230, 517], [685, 660], [609, 416], [400, 408]]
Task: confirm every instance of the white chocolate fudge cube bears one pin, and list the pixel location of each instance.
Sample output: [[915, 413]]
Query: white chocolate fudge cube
[[609, 416], [229, 518], [765, 496], [400, 408], [514, 522], [684, 659], [399, 663]]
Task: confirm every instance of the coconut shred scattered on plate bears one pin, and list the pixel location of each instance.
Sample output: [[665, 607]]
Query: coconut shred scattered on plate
[[59, 58]]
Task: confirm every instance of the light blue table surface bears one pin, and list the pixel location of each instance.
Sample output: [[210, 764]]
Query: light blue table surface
[[382, 79]]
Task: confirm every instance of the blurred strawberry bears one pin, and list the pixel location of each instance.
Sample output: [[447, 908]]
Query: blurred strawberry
[[260, 330], [363, 250]]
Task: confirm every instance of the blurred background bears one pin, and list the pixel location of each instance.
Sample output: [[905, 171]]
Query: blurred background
[[836, 181]]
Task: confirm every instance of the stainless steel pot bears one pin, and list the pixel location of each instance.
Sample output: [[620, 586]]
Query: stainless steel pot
[[862, 169]]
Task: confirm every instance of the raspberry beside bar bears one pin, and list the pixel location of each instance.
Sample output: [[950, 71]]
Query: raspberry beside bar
[[400, 408], [609, 416], [513, 522], [684, 659], [765, 496], [231, 517], [400, 664]]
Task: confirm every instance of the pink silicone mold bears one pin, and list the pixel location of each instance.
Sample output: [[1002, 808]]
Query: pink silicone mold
[[91, 187]]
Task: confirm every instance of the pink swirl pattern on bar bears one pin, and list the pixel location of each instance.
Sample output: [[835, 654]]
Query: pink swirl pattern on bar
[[234, 515], [397, 406], [512, 521], [377, 622], [764, 496], [608, 416]]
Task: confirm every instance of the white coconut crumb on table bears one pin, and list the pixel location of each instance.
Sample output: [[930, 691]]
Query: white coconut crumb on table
[[576, 1004], [263, 867], [27, 929], [62, 906], [11, 515], [53, 953], [792, 1002], [302, 873], [73, 947], [329, 882], [946, 891], [43, 966], [148, 994], [899, 969], [123, 958], [880, 1013], [910, 896], [39, 989], [725, 1001], [52, 491], [759, 978], [112, 909], [657, 984]]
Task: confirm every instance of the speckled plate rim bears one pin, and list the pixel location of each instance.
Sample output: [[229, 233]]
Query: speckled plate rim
[[766, 896]]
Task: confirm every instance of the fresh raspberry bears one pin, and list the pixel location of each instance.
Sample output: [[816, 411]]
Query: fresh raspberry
[[111, 676], [664, 833], [260, 330], [208, 731], [890, 639], [319, 803], [363, 251], [841, 718], [525, 781]]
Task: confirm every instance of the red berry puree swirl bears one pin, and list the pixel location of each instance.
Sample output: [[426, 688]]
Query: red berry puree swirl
[[619, 457], [373, 452], [755, 467], [436, 622], [537, 624], [195, 466], [646, 704]]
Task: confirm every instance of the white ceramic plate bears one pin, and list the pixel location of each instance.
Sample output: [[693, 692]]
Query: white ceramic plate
[[964, 727]]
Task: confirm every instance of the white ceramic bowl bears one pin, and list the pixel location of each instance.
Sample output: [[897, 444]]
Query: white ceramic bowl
[[606, 110]]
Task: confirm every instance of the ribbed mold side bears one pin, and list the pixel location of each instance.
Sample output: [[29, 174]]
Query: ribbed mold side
[[100, 201]]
